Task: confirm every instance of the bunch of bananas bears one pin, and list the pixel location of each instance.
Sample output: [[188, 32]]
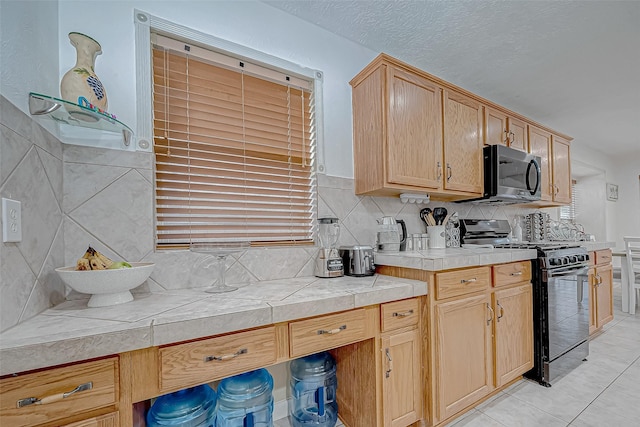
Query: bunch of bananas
[[93, 260]]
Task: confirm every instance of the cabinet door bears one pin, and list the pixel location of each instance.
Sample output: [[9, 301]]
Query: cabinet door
[[462, 143], [495, 131], [518, 137], [414, 146], [402, 390], [592, 300], [540, 145], [561, 171], [463, 353], [513, 333], [604, 295]]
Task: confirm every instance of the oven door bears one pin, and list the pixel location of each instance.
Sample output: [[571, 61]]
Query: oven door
[[567, 315]]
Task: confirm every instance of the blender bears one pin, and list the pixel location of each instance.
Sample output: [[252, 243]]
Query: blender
[[328, 261]]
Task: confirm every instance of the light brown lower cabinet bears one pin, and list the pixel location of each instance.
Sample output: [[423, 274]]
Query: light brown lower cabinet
[[601, 281], [463, 352], [401, 383], [513, 336]]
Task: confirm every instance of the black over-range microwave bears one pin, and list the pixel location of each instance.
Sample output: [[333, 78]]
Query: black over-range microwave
[[510, 176]]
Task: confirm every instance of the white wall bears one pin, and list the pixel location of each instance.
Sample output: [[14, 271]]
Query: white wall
[[249, 23], [29, 52], [622, 217]]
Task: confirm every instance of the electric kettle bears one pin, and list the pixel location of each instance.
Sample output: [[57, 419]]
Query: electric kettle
[[389, 238]]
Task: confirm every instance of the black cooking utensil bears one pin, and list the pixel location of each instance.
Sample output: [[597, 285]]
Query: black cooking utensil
[[439, 214]]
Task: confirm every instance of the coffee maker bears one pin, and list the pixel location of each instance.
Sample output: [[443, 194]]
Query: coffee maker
[[328, 262]]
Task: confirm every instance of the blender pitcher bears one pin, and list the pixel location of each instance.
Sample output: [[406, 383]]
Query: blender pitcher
[[328, 261]]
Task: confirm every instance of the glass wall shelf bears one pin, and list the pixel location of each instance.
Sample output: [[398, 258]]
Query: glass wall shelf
[[72, 114]]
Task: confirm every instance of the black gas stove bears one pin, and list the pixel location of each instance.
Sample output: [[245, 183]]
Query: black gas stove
[[560, 297]]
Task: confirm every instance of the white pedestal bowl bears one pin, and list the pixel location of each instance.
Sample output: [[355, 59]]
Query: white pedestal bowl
[[107, 287]]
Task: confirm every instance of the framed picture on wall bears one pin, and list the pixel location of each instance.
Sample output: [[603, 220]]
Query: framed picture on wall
[[612, 192]]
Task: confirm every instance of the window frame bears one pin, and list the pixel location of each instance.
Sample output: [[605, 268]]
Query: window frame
[[145, 24]]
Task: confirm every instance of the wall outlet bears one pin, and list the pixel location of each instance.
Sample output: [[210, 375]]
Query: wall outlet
[[11, 220]]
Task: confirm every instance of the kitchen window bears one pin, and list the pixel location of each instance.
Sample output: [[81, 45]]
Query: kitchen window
[[235, 148]]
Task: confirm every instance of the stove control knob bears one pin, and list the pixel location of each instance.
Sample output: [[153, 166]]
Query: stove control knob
[[573, 259], [555, 261]]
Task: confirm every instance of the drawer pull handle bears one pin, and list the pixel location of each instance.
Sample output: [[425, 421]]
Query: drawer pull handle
[[53, 398], [469, 280], [332, 331], [517, 273], [403, 314], [226, 356]]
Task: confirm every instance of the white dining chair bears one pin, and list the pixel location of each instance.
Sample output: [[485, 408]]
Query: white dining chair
[[632, 248]]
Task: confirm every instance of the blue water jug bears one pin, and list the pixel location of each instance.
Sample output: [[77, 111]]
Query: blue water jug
[[191, 407], [313, 387], [246, 400]]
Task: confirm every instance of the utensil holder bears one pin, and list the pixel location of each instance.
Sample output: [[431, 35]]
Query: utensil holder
[[437, 238]]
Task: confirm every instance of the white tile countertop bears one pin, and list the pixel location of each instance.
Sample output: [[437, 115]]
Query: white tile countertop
[[446, 259], [73, 332]]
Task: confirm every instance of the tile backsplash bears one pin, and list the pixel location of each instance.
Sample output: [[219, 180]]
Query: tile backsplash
[[76, 196]]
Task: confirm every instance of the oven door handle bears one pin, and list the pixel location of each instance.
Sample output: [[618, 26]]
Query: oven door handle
[[570, 271]]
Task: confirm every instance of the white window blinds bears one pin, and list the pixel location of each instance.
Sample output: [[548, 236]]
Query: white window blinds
[[234, 149], [568, 212]]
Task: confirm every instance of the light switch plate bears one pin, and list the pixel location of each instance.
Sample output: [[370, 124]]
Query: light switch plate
[[11, 220]]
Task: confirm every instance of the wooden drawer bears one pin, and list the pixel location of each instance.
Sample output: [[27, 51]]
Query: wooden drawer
[[399, 314], [603, 256], [461, 282], [109, 420], [326, 332], [514, 272], [51, 386], [188, 364]]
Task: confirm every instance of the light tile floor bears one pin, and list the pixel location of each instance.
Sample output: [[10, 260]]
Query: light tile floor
[[602, 392]]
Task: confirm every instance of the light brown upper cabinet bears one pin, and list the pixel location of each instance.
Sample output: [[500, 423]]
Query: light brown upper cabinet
[[501, 128], [540, 145], [462, 143], [401, 143], [397, 124], [555, 164], [414, 132], [561, 170]]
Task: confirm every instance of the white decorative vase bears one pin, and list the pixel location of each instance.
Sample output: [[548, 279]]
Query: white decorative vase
[[80, 84]]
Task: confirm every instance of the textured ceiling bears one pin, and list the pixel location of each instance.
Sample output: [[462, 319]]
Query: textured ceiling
[[571, 65]]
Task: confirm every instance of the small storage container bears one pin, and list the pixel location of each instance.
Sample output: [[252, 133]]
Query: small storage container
[[313, 388], [191, 407], [246, 400]]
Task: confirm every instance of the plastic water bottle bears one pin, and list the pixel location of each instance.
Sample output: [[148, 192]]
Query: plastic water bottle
[[246, 400], [191, 407], [313, 386]]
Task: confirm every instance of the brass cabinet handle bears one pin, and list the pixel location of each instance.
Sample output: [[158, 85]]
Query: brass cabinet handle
[[489, 320], [501, 315], [53, 398], [449, 173], [403, 314], [226, 356], [475, 279], [389, 364], [516, 273], [439, 171], [332, 331], [506, 136]]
